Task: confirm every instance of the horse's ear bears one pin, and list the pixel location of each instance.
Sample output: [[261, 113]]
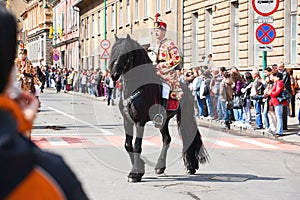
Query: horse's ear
[[116, 37], [128, 37]]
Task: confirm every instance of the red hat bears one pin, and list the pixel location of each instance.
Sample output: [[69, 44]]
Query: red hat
[[159, 24]]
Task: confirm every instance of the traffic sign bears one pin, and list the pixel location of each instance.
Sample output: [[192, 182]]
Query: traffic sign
[[265, 19], [55, 55], [105, 55], [265, 34], [265, 7], [105, 44], [261, 47]]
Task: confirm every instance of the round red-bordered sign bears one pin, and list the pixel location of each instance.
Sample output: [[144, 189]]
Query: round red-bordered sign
[[265, 7], [105, 44], [265, 33]]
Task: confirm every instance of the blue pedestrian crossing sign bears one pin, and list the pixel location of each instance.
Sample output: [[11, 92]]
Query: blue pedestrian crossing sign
[[265, 33]]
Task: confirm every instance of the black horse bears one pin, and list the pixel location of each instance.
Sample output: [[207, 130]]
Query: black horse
[[141, 92]]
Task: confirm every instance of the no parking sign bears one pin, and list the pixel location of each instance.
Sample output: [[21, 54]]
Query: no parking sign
[[265, 33]]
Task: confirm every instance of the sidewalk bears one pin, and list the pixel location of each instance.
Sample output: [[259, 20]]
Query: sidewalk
[[289, 136]]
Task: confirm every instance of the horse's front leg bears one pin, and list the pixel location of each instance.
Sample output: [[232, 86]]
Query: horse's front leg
[[128, 126], [161, 164], [138, 168]]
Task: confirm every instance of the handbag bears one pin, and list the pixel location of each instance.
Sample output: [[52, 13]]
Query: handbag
[[229, 105], [283, 96], [238, 102]]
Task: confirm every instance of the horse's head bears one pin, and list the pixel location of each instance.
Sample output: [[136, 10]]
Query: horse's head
[[126, 54]]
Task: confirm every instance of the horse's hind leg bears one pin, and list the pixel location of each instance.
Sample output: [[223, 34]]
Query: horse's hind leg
[[160, 166], [138, 168]]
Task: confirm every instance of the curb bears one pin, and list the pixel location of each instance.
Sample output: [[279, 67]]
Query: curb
[[236, 130]]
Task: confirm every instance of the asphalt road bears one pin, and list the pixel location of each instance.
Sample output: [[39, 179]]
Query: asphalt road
[[89, 135]]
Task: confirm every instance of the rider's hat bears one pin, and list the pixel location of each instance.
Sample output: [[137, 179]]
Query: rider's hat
[[159, 24]]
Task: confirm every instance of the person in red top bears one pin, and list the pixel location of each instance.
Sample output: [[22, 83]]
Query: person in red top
[[278, 106]]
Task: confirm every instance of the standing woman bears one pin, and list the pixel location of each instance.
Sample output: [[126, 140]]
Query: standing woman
[[293, 98], [278, 106], [237, 86]]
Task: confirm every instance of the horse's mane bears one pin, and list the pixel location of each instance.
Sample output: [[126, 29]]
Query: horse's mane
[[136, 65]]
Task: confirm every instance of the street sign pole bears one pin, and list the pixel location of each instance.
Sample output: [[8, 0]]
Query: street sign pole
[[264, 63], [105, 61], [265, 33]]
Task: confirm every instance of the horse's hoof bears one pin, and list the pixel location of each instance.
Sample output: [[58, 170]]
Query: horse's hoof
[[134, 178], [191, 171], [160, 170]]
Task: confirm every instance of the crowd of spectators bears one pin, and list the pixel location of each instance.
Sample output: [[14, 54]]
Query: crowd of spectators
[[227, 95], [221, 94]]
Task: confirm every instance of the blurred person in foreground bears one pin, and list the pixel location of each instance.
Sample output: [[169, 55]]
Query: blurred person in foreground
[[26, 172]]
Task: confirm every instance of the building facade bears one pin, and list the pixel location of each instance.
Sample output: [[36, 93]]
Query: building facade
[[65, 34], [36, 25], [134, 17], [227, 30]]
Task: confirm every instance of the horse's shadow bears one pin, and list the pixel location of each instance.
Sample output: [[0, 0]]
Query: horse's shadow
[[223, 178]]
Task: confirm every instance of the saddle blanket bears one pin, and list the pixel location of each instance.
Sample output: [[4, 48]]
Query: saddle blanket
[[173, 104]]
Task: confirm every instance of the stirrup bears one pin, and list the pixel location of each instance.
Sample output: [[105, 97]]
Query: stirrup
[[158, 120]]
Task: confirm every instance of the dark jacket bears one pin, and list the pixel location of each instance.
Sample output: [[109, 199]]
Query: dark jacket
[[23, 165], [287, 80]]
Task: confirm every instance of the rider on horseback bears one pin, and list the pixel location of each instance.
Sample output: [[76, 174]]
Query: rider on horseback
[[168, 58]]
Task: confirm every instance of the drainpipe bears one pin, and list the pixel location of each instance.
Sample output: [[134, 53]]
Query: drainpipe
[[105, 61], [176, 22], [182, 26]]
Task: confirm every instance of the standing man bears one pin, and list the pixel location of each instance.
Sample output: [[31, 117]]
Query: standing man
[[168, 58], [287, 84], [110, 85]]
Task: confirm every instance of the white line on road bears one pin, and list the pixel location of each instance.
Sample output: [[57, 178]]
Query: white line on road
[[260, 144], [104, 132], [219, 142]]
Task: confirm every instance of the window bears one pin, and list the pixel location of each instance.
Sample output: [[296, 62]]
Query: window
[[234, 32], [145, 8], [121, 14], [92, 27], [208, 31], [136, 10], [158, 6], [87, 34], [83, 27], [195, 39], [99, 22], [63, 21], [127, 11], [168, 5], [113, 16], [70, 21], [293, 42]]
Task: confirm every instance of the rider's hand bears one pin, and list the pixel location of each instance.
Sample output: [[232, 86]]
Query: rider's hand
[[29, 105]]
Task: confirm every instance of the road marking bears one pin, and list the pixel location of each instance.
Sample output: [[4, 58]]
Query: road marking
[[219, 142], [56, 141], [104, 132], [226, 144], [260, 144]]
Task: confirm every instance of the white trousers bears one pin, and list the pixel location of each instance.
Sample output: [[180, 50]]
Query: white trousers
[[165, 91]]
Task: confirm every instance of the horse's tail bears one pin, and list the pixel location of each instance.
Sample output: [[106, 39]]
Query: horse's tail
[[194, 151]]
